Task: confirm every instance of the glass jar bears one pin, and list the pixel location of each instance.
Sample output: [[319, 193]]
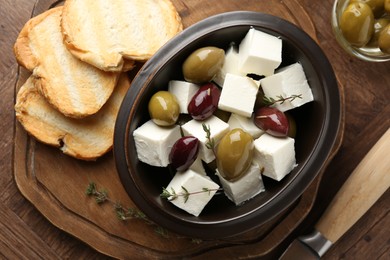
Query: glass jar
[[373, 54]]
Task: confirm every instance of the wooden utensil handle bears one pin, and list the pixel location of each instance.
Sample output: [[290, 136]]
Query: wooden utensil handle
[[363, 188]]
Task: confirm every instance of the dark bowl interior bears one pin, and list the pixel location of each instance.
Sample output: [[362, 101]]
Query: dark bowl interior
[[317, 122]]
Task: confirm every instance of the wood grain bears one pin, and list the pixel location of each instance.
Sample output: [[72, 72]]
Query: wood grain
[[364, 187], [57, 189], [25, 233]]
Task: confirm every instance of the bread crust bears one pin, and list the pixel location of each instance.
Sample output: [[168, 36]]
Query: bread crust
[[22, 50], [107, 34], [86, 139], [72, 86]]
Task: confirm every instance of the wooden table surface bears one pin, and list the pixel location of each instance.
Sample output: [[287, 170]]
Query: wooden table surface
[[26, 234]]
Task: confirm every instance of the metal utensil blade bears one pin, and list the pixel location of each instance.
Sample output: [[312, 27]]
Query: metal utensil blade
[[311, 246], [348, 204], [298, 250]]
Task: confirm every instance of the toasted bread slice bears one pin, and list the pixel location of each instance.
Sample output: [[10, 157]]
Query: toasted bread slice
[[72, 86], [86, 138], [107, 34]]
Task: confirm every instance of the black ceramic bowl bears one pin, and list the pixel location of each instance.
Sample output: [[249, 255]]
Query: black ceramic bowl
[[318, 123]]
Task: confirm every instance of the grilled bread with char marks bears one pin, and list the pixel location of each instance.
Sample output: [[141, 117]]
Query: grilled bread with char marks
[[73, 87], [87, 138], [109, 34]]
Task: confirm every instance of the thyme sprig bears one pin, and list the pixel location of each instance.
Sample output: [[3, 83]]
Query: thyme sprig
[[172, 195], [99, 195], [130, 213], [123, 213], [210, 144], [269, 101]]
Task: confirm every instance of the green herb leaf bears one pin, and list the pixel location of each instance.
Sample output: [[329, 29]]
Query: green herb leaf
[[162, 232], [124, 214], [269, 101], [210, 144], [100, 196], [185, 194]]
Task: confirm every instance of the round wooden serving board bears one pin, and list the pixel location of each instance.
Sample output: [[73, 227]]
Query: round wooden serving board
[[55, 183]]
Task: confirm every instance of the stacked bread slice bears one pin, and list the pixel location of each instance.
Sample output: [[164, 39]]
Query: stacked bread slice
[[86, 138], [78, 78], [73, 87], [119, 30]]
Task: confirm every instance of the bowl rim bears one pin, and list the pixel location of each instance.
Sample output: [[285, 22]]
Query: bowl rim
[[289, 194]]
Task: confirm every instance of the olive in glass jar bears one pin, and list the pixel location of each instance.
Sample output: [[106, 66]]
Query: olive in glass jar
[[203, 64], [379, 25], [387, 6], [163, 108], [357, 24], [377, 6], [384, 39]]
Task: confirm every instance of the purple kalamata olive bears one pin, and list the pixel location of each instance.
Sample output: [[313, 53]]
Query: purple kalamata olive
[[272, 121], [184, 153], [205, 101]]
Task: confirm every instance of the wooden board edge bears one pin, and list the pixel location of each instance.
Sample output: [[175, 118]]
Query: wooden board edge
[[22, 178]]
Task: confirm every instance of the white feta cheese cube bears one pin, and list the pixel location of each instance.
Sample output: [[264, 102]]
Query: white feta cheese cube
[[244, 188], [183, 91], [246, 124], [238, 95], [230, 66], [197, 166], [195, 184], [260, 53], [218, 129], [287, 82], [154, 143], [275, 154]]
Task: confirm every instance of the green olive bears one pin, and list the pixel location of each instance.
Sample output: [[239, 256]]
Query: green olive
[[292, 126], [234, 154], [377, 6], [163, 108], [357, 24], [203, 64], [387, 6], [378, 27], [384, 39]]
